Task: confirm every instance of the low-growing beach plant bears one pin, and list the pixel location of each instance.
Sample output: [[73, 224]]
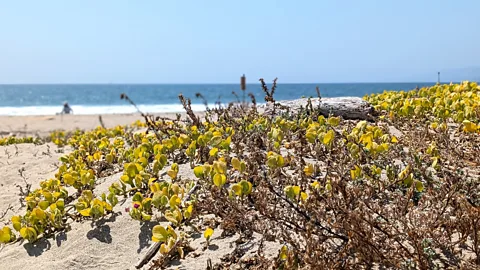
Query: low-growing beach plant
[[400, 191], [18, 140]]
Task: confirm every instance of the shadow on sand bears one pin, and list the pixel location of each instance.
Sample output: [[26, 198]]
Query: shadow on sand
[[43, 244], [101, 230], [145, 235], [37, 248]]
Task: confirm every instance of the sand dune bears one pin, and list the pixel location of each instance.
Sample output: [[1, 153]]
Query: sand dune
[[116, 242]]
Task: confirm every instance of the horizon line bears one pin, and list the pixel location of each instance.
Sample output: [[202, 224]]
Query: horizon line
[[220, 83]]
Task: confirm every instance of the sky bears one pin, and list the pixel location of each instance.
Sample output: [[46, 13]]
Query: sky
[[216, 41]]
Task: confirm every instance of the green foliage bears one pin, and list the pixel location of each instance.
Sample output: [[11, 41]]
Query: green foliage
[[16, 140], [456, 102], [308, 179]]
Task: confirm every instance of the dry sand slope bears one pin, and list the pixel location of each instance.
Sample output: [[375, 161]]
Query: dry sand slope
[[37, 163], [117, 242]]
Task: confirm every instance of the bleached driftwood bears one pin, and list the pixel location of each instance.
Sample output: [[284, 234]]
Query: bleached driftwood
[[346, 107]]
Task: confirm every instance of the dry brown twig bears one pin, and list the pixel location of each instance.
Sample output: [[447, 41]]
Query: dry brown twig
[[9, 208], [187, 105]]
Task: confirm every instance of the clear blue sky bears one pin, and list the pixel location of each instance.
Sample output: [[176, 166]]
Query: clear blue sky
[[103, 41]]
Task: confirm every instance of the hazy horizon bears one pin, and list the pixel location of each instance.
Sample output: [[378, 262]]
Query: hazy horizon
[[229, 83]]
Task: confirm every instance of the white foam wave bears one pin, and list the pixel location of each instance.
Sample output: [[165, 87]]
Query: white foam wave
[[86, 110]]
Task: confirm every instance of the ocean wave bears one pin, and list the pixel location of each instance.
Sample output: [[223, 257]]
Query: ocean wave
[[92, 110]]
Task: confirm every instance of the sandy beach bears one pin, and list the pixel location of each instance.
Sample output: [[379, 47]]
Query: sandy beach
[[216, 135], [42, 125], [117, 242]]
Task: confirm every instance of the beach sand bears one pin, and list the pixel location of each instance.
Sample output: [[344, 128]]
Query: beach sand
[[117, 242], [43, 125]]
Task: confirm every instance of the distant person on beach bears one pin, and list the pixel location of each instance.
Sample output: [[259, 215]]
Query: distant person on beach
[[66, 109]]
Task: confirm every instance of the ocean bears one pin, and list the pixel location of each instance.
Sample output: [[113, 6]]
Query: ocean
[[105, 98]]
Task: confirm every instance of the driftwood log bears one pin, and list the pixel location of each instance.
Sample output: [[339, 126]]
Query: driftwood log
[[346, 107]]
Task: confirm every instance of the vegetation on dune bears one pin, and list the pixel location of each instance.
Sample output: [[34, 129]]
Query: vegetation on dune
[[17, 140], [439, 105], [400, 192]]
